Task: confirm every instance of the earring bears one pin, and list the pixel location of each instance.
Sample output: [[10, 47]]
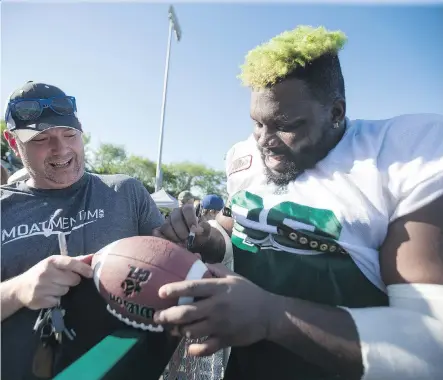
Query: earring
[[336, 125]]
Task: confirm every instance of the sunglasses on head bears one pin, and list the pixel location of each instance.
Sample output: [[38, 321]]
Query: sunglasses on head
[[31, 109]]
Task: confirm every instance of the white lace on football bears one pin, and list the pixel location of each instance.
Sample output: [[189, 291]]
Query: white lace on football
[[158, 328]]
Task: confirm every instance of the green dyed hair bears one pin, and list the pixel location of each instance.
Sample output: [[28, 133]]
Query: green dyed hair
[[275, 60]]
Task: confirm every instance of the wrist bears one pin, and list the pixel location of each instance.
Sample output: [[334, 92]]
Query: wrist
[[15, 290], [282, 321], [273, 308]]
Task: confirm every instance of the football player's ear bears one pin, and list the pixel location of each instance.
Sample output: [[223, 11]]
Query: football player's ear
[[338, 111]]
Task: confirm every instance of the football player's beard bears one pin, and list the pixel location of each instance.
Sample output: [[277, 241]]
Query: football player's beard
[[294, 164], [283, 178]]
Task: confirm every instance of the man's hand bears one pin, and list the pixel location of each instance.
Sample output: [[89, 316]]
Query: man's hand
[[208, 242], [42, 285], [232, 311], [178, 225]]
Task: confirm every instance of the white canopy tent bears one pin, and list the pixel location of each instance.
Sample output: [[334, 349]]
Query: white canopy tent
[[19, 175], [163, 199]]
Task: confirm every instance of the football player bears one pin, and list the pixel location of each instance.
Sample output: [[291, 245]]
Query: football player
[[336, 227]]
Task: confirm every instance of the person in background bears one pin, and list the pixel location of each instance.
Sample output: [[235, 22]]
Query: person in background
[[185, 197], [197, 206], [211, 205]]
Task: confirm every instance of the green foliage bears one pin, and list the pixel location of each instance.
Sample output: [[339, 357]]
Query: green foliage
[[187, 175], [274, 60], [165, 211], [88, 151], [112, 159], [108, 159], [142, 169]]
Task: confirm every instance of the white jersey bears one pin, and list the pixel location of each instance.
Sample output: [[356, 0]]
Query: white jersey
[[380, 171]]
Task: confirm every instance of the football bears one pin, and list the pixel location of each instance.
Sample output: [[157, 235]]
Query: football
[[129, 272]]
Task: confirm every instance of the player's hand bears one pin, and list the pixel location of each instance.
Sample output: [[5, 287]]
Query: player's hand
[[180, 222], [42, 285], [233, 311]]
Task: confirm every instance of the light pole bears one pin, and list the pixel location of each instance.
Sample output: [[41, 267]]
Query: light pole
[[173, 26]]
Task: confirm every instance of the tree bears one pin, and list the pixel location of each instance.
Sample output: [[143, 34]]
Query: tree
[[89, 154], [186, 175], [108, 159], [142, 169], [113, 159]]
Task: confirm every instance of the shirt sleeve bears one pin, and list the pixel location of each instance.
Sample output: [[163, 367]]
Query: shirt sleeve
[[228, 161], [149, 216], [241, 162], [412, 159]]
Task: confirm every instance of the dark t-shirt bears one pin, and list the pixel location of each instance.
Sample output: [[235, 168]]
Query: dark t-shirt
[[96, 211]]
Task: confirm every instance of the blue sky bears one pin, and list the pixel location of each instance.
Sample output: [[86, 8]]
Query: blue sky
[[111, 57]]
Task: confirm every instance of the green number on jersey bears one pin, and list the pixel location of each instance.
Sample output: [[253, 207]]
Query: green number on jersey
[[324, 221], [318, 222]]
